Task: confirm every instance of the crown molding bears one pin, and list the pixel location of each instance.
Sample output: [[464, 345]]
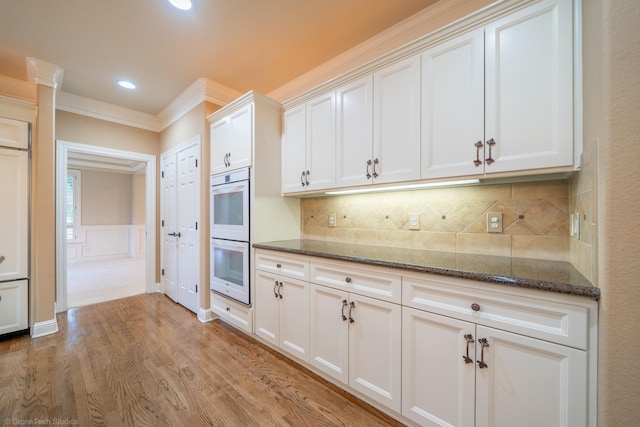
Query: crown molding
[[200, 91], [101, 110], [44, 73], [401, 37]]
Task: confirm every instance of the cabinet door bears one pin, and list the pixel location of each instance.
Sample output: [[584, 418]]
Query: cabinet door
[[438, 387], [321, 142], [13, 306], [267, 307], [396, 119], [529, 88], [220, 133], [14, 215], [294, 317], [329, 332], [529, 382], [354, 143], [453, 107], [241, 140], [374, 350], [14, 133], [294, 150]]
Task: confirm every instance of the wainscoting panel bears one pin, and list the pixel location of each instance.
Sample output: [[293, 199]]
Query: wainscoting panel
[[102, 242]]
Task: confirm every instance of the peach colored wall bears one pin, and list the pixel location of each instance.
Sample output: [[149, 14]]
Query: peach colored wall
[[107, 198]]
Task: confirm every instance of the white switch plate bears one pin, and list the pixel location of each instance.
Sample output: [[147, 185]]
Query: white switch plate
[[332, 220], [414, 221], [494, 222]]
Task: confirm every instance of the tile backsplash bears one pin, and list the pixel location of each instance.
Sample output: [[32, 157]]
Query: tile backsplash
[[535, 219]]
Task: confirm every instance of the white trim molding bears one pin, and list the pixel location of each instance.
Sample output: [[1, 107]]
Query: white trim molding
[[41, 329], [205, 315]]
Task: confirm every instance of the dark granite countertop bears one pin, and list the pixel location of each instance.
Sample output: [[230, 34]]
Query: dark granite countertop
[[552, 276]]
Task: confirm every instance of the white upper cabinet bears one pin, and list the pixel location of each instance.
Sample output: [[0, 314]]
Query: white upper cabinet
[[378, 126], [232, 141], [500, 99], [309, 146], [529, 88], [453, 107]]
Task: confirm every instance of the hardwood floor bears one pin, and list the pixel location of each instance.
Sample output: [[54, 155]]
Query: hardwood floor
[[145, 361]]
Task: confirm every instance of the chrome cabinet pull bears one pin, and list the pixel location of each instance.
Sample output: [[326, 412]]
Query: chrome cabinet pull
[[475, 307], [228, 159], [344, 304], [306, 178], [375, 162], [275, 292], [478, 146], [490, 143], [368, 175], [2, 258], [484, 343], [302, 179], [278, 265], [347, 279], [352, 305], [469, 339], [280, 289]]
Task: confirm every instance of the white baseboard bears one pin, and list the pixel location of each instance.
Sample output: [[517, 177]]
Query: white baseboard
[[205, 315], [159, 288], [41, 329]]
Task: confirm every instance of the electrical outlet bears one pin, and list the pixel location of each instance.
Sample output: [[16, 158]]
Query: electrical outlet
[[332, 220], [414, 221], [494, 222], [575, 225]]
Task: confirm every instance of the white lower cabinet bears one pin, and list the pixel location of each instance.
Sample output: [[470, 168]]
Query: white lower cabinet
[[357, 340], [456, 373], [14, 304], [282, 312], [236, 314]]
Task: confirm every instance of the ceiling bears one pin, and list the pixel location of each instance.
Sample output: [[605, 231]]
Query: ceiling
[[242, 44]]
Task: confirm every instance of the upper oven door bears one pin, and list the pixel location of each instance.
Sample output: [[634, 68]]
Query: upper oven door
[[230, 211]]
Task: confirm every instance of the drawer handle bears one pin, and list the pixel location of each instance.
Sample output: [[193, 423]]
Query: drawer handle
[[475, 307], [478, 146], [484, 343], [280, 289], [490, 143], [368, 174], [344, 304], [352, 305], [278, 265], [275, 292], [228, 308], [469, 339], [347, 279]]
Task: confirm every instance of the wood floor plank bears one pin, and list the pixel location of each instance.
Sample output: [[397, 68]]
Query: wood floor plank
[[145, 361]]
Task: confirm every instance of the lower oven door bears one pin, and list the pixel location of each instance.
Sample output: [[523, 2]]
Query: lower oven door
[[230, 269]]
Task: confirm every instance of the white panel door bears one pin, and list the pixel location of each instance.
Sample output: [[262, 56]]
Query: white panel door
[[169, 227], [529, 88], [375, 349], [438, 384], [354, 140], [14, 214], [396, 135], [529, 382], [294, 152], [329, 331], [321, 142], [220, 134], [188, 220], [453, 107], [294, 317]]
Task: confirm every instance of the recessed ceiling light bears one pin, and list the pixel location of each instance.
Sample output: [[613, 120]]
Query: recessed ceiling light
[[126, 84], [181, 4]]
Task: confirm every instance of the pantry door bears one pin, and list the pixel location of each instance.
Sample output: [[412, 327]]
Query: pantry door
[[180, 224]]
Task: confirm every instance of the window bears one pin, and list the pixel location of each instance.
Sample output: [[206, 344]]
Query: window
[[73, 204]]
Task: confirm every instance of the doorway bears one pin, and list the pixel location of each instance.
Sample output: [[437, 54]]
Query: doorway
[[69, 153]]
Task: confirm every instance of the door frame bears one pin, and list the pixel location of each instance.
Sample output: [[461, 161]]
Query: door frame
[[62, 150]]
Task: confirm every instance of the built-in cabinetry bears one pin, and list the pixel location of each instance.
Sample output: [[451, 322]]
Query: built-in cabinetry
[[500, 98], [14, 226], [495, 99], [282, 302], [233, 136], [309, 145], [436, 350]]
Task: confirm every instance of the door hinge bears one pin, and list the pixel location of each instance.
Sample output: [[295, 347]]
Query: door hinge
[[162, 272], [162, 174], [196, 162], [162, 222], [196, 225], [196, 288]]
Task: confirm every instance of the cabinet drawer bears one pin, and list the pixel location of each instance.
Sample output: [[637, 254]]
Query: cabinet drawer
[[371, 282], [232, 313], [13, 306], [286, 265], [562, 323]]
